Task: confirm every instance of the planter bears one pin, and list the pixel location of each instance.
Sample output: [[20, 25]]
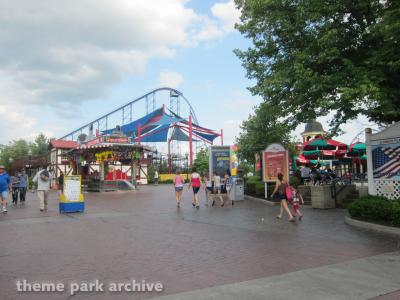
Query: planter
[[321, 197]]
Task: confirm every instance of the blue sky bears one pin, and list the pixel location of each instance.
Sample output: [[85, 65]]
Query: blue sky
[[76, 64]]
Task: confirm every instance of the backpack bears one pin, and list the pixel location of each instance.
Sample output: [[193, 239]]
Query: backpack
[[289, 193], [44, 175]]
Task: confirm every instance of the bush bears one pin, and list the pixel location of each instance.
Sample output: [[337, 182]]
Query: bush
[[294, 181], [375, 208], [260, 188], [150, 173], [396, 213], [168, 181], [250, 187], [253, 179], [371, 208]]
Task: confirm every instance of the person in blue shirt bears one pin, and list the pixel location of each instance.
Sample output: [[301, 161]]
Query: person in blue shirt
[[23, 186], [5, 187]]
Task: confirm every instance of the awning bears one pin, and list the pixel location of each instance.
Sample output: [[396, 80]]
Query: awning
[[312, 153]]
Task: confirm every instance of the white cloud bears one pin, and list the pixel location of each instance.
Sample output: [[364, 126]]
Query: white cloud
[[77, 52], [227, 13], [170, 79], [60, 54], [15, 124], [225, 16]]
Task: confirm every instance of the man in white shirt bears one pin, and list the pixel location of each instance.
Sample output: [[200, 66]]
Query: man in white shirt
[[156, 177], [43, 180]]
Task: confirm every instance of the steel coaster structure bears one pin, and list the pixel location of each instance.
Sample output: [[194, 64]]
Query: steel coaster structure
[[157, 120], [127, 111]]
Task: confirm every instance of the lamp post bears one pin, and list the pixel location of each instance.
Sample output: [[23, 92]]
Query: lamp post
[[30, 165]]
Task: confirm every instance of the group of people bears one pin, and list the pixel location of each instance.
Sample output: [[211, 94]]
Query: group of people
[[316, 174], [210, 184], [18, 184], [19, 187]]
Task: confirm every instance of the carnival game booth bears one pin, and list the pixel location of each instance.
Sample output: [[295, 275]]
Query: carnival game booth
[[110, 162]]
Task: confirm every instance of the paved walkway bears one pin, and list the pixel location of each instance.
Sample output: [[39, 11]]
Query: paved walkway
[[142, 235]]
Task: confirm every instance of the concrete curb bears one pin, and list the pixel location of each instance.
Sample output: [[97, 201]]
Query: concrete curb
[[266, 202], [381, 229]]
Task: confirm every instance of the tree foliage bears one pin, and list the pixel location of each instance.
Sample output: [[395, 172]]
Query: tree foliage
[[313, 57], [260, 130], [202, 161], [17, 149]]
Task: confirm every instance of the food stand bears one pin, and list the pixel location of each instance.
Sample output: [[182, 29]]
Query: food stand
[[109, 162]]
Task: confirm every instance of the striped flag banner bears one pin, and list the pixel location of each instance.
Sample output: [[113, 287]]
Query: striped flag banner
[[386, 161]]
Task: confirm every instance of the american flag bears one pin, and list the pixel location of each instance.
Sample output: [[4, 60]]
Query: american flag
[[386, 161]]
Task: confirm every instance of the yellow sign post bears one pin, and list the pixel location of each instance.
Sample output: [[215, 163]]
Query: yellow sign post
[[71, 200]]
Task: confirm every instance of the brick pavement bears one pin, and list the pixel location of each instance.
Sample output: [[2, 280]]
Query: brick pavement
[[142, 235]]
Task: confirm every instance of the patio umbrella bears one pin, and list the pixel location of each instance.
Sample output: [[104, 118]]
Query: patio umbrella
[[311, 153], [302, 160], [314, 144], [357, 149], [321, 144], [339, 145], [321, 162]]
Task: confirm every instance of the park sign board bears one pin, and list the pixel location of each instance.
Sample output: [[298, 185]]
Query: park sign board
[[223, 158], [219, 159], [275, 160], [116, 139], [71, 200]]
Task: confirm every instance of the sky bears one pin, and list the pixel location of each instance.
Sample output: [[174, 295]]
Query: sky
[[65, 63]]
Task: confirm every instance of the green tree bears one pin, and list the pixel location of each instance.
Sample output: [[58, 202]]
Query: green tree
[[14, 150], [202, 161], [260, 130], [17, 149], [312, 57], [41, 145], [246, 167]]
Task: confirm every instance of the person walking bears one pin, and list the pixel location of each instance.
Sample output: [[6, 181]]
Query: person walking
[[5, 188], [228, 185], [217, 188], [23, 186], [15, 189], [43, 181], [280, 188], [297, 200], [178, 185], [60, 183], [208, 187], [156, 177], [305, 174], [195, 183]]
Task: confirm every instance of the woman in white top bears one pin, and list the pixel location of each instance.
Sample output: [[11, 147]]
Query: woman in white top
[[228, 185], [217, 188], [208, 187]]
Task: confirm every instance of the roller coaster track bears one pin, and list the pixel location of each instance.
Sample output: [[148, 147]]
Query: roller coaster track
[[175, 96]]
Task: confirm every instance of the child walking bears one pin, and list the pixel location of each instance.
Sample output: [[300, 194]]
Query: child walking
[[217, 188], [297, 200]]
